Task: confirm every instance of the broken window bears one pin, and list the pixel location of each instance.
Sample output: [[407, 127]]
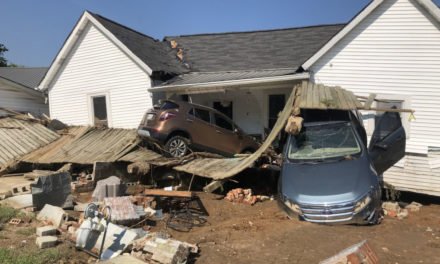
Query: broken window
[[223, 123], [100, 111]]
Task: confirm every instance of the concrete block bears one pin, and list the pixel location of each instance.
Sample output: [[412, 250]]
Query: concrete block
[[46, 231], [46, 241], [53, 214]]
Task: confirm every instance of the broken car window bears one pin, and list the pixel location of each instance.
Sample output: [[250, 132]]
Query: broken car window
[[324, 140]]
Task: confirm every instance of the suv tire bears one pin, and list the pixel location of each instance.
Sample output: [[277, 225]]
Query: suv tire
[[177, 146]]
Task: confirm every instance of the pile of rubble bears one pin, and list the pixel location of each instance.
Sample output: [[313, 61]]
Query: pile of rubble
[[393, 209], [105, 223], [244, 196]]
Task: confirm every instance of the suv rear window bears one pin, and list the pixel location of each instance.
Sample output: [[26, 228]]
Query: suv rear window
[[200, 114], [168, 105]]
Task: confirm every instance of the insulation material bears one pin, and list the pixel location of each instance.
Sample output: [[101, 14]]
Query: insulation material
[[122, 209]]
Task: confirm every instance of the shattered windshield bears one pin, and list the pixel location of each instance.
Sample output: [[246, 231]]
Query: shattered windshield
[[323, 141]]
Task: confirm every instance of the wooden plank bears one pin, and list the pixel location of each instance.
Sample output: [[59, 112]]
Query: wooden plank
[[160, 192], [322, 96], [309, 95], [303, 95], [342, 100], [370, 100]]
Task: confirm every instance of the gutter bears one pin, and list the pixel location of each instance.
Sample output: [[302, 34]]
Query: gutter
[[231, 83]]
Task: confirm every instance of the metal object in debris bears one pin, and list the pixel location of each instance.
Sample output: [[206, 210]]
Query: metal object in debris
[[358, 253], [91, 228]]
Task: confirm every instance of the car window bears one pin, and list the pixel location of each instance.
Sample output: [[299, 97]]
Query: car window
[[386, 125], [222, 122], [200, 114]]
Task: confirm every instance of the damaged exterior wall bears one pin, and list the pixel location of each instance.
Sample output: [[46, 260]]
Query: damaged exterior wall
[[394, 53], [97, 67]]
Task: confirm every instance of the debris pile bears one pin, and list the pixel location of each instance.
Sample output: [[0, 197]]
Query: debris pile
[[244, 196], [393, 209]]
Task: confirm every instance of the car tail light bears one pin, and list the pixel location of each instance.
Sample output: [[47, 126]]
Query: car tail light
[[166, 116]]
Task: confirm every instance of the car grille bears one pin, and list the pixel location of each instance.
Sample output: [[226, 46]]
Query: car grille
[[328, 213]]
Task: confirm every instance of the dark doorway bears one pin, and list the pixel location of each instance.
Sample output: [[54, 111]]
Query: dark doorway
[[276, 105], [224, 108], [100, 111]]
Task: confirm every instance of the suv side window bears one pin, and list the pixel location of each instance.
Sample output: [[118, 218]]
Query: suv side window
[[200, 114], [223, 123]]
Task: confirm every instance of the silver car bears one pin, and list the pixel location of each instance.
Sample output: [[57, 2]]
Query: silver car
[[329, 175]]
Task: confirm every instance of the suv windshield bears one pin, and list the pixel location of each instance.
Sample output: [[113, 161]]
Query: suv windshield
[[323, 141]]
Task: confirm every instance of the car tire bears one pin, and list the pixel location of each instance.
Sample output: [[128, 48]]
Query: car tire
[[177, 146]]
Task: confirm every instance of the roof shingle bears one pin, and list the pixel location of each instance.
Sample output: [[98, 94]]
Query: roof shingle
[[28, 77], [255, 50]]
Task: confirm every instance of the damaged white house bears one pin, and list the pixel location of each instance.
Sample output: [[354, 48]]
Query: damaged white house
[[109, 74]]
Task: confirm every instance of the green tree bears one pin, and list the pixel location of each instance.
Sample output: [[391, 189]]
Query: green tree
[[3, 61]]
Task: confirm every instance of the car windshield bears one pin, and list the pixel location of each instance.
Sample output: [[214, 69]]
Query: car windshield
[[323, 141]]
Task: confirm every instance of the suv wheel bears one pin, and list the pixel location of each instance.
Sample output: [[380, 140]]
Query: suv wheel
[[177, 146]]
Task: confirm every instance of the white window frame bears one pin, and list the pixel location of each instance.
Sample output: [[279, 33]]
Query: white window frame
[[107, 104]]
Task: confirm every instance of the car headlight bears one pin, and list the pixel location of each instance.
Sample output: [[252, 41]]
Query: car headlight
[[293, 206], [362, 203]]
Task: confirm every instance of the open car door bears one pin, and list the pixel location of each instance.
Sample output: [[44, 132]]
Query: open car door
[[387, 145]]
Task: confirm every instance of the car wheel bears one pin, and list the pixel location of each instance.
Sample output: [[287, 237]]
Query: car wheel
[[177, 146]]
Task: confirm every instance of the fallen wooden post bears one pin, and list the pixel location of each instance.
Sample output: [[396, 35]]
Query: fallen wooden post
[[159, 192]]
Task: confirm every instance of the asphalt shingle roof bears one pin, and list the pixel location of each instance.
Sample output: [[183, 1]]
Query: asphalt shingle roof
[[256, 50], [156, 54], [28, 77]]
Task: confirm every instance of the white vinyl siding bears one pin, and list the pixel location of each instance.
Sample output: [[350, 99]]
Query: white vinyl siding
[[16, 98], [97, 66], [395, 50]]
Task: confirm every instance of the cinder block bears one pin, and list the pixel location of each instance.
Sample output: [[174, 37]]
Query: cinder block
[[46, 231], [46, 241]]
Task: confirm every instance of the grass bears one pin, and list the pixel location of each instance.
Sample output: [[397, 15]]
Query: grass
[[7, 213], [9, 256], [29, 231]]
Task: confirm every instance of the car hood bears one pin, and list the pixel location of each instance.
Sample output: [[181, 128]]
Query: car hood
[[327, 182]]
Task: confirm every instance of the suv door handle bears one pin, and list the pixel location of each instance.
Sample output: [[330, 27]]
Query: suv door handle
[[218, 131], [189, 120]]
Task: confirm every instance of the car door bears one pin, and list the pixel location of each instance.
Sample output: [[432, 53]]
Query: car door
[[200, 128], [226, 140], [387, 145]]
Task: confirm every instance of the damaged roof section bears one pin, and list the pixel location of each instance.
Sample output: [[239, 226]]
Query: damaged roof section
[[19, 136], [86, 145], [254, 50]]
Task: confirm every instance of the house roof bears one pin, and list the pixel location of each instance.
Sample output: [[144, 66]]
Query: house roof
[[253, 50], [27, 77], [156, 54]]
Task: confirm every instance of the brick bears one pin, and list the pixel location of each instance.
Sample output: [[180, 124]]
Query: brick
[[46, 241], [46, 231]]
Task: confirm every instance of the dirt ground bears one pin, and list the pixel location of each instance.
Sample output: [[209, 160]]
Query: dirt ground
[[238, 233]]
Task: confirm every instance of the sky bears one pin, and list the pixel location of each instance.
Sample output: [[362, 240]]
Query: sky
[[34, 31]]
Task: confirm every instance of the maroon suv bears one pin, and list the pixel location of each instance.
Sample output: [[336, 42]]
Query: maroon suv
[[180, 126]]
